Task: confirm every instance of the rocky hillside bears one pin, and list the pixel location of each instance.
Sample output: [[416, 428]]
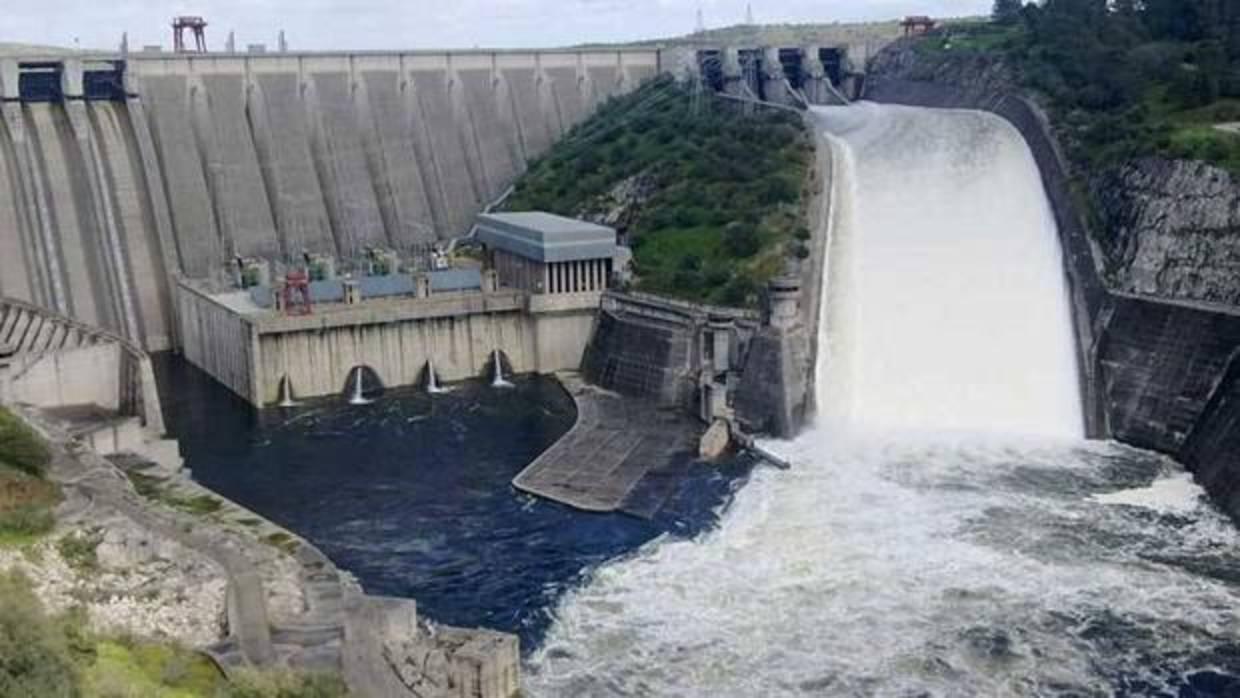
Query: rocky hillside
[[1165, 226]]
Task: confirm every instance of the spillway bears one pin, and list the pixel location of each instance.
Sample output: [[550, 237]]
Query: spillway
[[945, 529], [947, 308]]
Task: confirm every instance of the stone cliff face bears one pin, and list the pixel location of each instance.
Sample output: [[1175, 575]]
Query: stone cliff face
[[980, 74], [1165, 228], [1172, 229]]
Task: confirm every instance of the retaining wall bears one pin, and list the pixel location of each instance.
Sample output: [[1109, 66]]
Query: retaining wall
[[653, 347], [395, 339], [217, 340], [52, 361]]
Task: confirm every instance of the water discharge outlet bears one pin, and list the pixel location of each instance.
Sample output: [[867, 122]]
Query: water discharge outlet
[[286, 393], [358, 396], [432, 380], [497, 369]]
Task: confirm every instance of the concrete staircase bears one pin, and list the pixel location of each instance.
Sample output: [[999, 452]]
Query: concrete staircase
[[108, 433]]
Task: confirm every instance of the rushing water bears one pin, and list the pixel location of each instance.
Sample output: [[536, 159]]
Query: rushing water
[[945, 529], [411, 491]]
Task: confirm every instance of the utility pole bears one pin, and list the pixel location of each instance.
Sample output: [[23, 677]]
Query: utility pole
[[700, 27], [749, 14]]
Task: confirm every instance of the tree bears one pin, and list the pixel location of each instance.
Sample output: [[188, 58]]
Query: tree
[[1007, 11], [1176, 19], [741, 239]]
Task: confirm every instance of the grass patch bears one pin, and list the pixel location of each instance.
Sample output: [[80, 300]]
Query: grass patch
[[145, 485], [20, 447], [201, 504], [156, 489], [1207, 143], [128, 668], [281, 540], [724, 199], [26, 504], [973, 37]]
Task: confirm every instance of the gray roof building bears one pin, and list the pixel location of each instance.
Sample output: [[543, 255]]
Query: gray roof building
[[545, 237]]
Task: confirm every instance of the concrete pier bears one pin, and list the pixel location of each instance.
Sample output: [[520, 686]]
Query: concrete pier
[[615, 443], [251, 350]]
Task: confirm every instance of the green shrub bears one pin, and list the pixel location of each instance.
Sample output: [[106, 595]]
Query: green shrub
[[79, 550], [124, 667], [741, 239], [26, 504], [740, 291], [35, 659], [21, 447]]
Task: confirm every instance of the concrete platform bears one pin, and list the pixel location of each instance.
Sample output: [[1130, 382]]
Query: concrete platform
[[617, 444]]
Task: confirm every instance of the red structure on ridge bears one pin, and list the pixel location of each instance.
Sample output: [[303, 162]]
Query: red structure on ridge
[[197, 26]]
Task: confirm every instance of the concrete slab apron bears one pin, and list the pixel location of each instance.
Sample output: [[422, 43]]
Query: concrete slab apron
[[614, 444]]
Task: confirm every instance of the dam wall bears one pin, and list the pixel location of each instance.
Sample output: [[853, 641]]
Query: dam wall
[[77, 233], [330, 153], [186, 162], [1157, 374]]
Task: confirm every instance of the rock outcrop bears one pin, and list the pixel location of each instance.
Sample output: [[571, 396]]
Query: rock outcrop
[[1171, 228], [978, 73], [136, 583], [620, 207]]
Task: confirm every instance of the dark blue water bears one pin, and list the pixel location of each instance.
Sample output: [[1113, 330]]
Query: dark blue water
[[412, 493]]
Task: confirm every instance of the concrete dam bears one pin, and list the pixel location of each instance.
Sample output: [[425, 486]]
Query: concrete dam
[[137, 192], [119, 175]]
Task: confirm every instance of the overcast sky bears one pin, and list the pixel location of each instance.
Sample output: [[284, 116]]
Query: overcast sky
[[380, 24]]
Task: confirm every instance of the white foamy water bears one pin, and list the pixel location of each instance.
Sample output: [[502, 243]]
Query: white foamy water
[[941, 531], [1173, 494], [946, 307]]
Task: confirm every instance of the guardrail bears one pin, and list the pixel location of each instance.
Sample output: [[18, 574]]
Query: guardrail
[[29, 335]]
